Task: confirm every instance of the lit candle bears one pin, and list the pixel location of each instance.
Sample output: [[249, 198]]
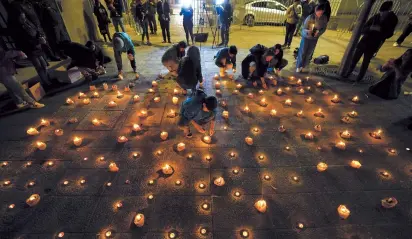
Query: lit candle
[[392, 151], [205, 206], [256, 129], [217, 85], [346, 120], [309, 136], [33, 200], [32, 131], [282, 129], [154, 84], [345, 134], [246, 109], [385, 174], [235, 171], [31, 184], [109, 233], [355, 164], [343, 211], [82, 95], [109, 184], [376, 134], [159, 152], [273, 112], [136, 98], [300, 114], [167, 170], [178, 182], [279, 91], [321, 167], [220, 181], [44, 122], [73, 120], [96, 94], [223, 103], [7, 183], [261, 157], [207, 139], [139, 220], [41, 145], [202, 186], [225, 114], [295, 178], [175, 100], [136, 127], [171, 114], [69, 101], [86, 101], [65, 182], [156, 99], [319, 113], [235, 92], [101, 158], [77, 141], [172, 235], [143, 113], [341, 145], [299, 82], [309, 100], [355, 99], [82, 182], [390, 202], [301, 91], [11, 206], [96, 122], [319, 84], [111, 104], [4, 164], [335, 99], [113, 167], [218, 92], [208, 158], [266, 177], [151, 182], [50, 164], [164, 135], [105, 86], [318, 128], [263, 102], [244, 233], [250, 95], [28, 164], [122, 139], [203, 231], [239, 86], [119, 205], [180, 147], [60, 235], [216, 77], [261, 206], [353, 114], [249, 140], [261, 92], [288, 102], [175, 91]]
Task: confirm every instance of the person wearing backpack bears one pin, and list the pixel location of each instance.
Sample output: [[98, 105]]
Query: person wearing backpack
[[293, 14]]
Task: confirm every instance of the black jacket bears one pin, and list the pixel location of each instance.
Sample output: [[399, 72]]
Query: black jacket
[[163, 11], [377, 29], [117, 9], [81, 55], [141, 12], [190, 70], [224, 54], [101, 15], [256, 55]]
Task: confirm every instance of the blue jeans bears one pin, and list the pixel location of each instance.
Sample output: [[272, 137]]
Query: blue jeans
[[306, 50], [116, 22]]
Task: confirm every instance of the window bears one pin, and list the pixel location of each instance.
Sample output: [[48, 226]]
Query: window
[[259, 4]]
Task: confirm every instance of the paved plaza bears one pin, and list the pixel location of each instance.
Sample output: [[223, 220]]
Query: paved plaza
[[81, 197]]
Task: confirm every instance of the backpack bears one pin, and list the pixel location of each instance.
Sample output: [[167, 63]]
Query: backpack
[[321, 60]]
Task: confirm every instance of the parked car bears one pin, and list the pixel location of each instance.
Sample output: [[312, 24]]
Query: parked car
[[263, 12]]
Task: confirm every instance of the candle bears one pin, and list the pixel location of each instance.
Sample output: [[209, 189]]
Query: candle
[[235, 171], [345, 134], [218, 92], [295, 178], [109, 184], [119, 205], [69, 101], [96, 94], [250, 95], [136, 98], [319, 84], [151, 182], [392, 151], [321, 167], [223, 103], [32, 131], [82, 95], [300, 114], [353, 114], [263, 102], [122, 139], [385, 174], [175, 100], [33, 200], [175, 91], [73, 120], [217, 85], [11, 206], [205, 206], [335, 99], [255, 129], [92, 87], [261, 92], [41, 145], [235, 92], [6, 183], [109, 233], [309, 136], [49, 163], [101, 158], [65, 182], [4, 164], [273, 112], [246, 109], [244, 233], [266, 177], [44, 122], [171, 114], [208, 158], [261, 206], [203, 231], [136, 128], [178, 182], [82, 182], [172, 235], [219, 181], [96, 122], [31, 184], [180, 147], [343, 211], [139, 220], [154, 84], [299, 82], [143, 113], [249, 140], [28, 164], [111, 104], [318, 128], [164, 135], [77, 141], [301, 91], [355, 99], [355, 164], [390, 202], [300, 225], [319, 113], [114, 87], [159, 152], [225, 114], [288, 102], [151, 91], [309, 100], [202, 186], [279, 91], [341, 145], [207, 139], [105, 86], [113, 167], [239, 86], [167, 170], [376, 134], [282, 129], [86, 101], [156, 99], [346, 120]]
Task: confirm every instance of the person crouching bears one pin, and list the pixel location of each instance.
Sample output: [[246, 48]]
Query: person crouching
[[123, 43], [225, 59], [190, 70]]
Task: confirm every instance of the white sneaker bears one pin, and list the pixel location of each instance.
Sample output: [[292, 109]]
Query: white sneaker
[[396, 44], [120, 76], [298, 70]]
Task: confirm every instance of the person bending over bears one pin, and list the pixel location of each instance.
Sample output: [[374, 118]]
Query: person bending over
[[277, 63], [198, 110], [123, 43], [190, 70], [172, 57], [98, 54], [225, 59]]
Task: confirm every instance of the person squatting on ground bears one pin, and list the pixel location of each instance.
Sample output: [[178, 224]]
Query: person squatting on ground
[[255, 65], [406, 31], [163, 11], [123, 43], [187, 12], [116, 13], [396, 73], [225, 12], [225, 59], [314, 26], [172, 57], [101, 59], [293, 14], [198, 110], [190, 70], [308, 7], [377, 29], [277, 63], [151, 15], [15, 89], [141, 19], [103, 20]]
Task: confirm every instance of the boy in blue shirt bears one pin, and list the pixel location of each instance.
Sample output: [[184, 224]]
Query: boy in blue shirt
[[123, 43]]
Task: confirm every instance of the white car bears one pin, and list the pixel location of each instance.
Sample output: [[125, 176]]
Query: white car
[[267, 11]]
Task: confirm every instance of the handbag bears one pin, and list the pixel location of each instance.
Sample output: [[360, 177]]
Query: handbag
[[201, 37]]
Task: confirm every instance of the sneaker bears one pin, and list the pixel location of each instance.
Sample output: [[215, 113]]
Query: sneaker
[[396, 44], [148, 43], [37, 105], [298, 70], [221, 44], [22, 105], [163, 41], [169, 41], [189, 135]]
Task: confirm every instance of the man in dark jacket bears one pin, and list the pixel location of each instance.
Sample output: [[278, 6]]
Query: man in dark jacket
[[142, 20], [255, 65], [151, 16], [116, 13], [377, 29], [163, 11], [225, 59], [407, 30], [225, 12], [172, 57]]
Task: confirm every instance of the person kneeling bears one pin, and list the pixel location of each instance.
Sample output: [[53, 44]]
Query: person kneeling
[[198, 110], [225, 59], [123, 43], [98, 54], [277, 63]]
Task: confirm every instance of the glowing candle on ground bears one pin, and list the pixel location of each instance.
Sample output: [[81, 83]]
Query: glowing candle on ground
[[345, 134], [96, 94], [355, 164], [156, 99], [343, 211], [178, 182], [376, 134], [82, 181], [171, 114], [300, 225], [136, 128], [77, 141], [175, 100], [176, 91], [238, 86], [235, 171], [249, 140], [309, 136], [392, 151], [385, 174], [180, 147], [218, 92], [108, 233], [111, 104], [300, 114], [216, 77], [82, 95], [11, 206], [309, 100], [273, 112], [164, 135], [7, 183], [355, 99], [69, 101], [299, 82], [235, 92], [154, 84], [261, 206], [143, 113], [261, 92], [122, 139], [44, 122], [220, 181], [105, 86], [205, 206], [319, 84], [301, 91], [244, 233], [288, 102], [202, 186], [225, 114], [321, 167], [279, 91], [217, 85], [139, 220], [207, 139], [86, 101], [335, 99], [318, 128], [346, 120], [266, 177], [4, 164], [167, 169], [246, 109], [136, 98], [41, 145], [341, 145], [389, 202], [113, 167], [32, 131], [319, 113], [33, 200], [96, 122], [263, 102], [250, 95]]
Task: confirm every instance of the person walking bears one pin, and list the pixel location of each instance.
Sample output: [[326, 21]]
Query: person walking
[[377, 29], [102, 20], [116, 14], [187, 12], [225, 12], [141, 18], [151, 16], [314, 26], [293, 14], [14, 88], [123, 43], [163, 11], [308, 6], [406, 31]]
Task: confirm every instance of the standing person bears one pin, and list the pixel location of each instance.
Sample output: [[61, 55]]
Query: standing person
[[163, 11], [377, 29], [314, 26], [405, 33], [187, 12], [308, 6], [293, 14], [141, 17], [190, 70], [225, 12], [255, 65], [151, 16], [328, 9], [102, 19], [198, 110], [116, 13], [123, 43], [15, 89], [225, 59]]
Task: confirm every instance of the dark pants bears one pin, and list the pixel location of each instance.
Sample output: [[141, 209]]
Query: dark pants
[[405, 33], [40, 65], [290, 29], [165, 25], [188, 26], [367, 53], [145, 29], [224, 32], [152, 23]]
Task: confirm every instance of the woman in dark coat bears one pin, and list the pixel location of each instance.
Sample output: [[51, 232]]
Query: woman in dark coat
[[102, 19], [396, 73], [190, 70]]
